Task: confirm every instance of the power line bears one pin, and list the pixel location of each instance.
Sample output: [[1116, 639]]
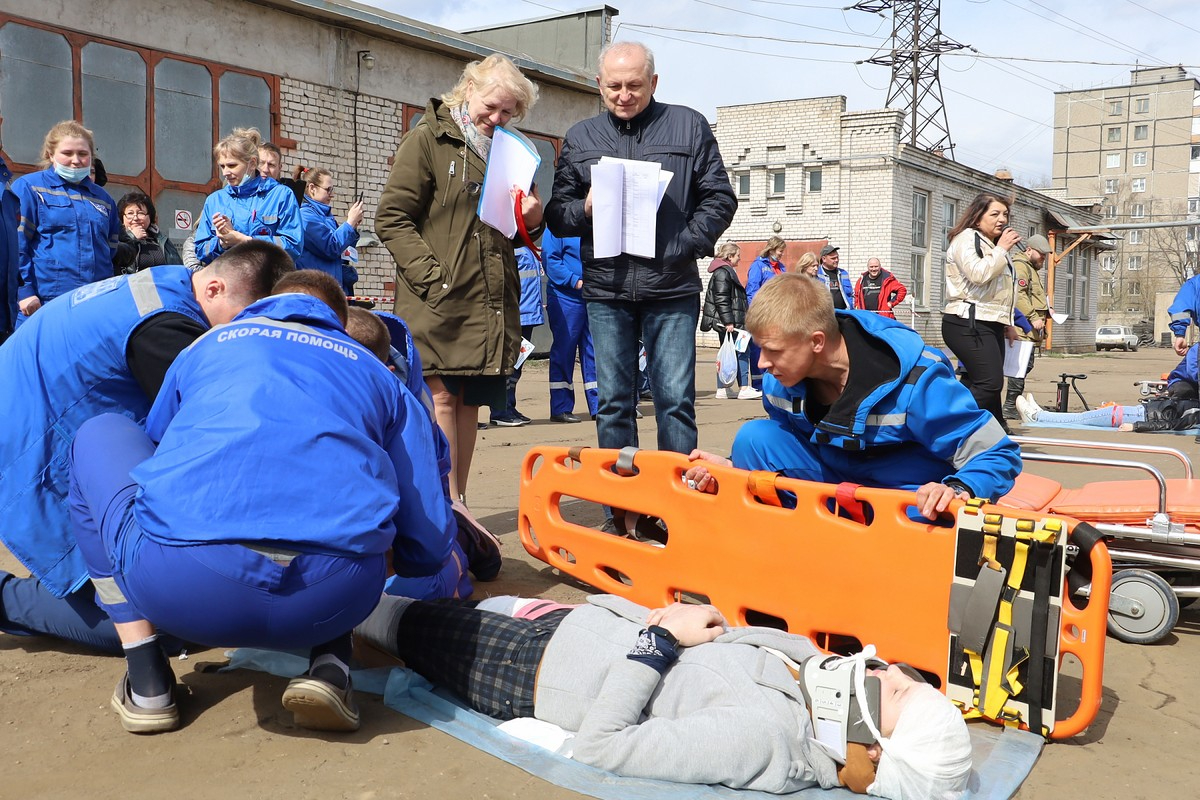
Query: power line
[[974, 54], [1164, 16]]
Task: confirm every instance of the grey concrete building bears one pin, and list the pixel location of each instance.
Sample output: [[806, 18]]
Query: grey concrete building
[[334, 83], [811, 171], [1133, 150]]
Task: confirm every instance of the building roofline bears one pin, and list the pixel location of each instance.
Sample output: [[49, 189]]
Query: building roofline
[[544, 18], [841, 97], [424, 36]]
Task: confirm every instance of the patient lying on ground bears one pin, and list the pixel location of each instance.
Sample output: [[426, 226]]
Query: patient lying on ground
[[675, 694]]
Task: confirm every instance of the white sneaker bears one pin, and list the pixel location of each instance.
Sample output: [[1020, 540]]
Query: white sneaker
[[721, 394], [1027, 408], [749, 393]]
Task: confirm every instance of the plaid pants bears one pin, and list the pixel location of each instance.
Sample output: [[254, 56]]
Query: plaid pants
[[489, 660]]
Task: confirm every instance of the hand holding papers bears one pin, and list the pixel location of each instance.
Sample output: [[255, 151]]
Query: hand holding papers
[[1016, 358], [625, 198], [513, 162], [1059, 319]]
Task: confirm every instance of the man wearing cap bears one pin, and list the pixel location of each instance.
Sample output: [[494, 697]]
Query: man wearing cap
[[879, 290], [1031, 301], [836, 279]]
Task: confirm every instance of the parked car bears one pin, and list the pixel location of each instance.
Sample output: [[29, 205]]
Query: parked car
[[1110, 337]]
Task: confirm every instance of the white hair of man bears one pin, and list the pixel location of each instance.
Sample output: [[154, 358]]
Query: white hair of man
[[625, 47]]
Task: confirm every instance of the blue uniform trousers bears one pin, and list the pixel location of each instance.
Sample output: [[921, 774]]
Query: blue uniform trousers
[[572, 338], [232, 594]]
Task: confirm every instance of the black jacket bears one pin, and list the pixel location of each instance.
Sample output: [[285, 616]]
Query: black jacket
[[725, 301], [1170, 414], [134, 255], [698, 206]]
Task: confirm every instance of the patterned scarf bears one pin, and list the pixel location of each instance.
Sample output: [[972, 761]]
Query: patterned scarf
[[482, 145]]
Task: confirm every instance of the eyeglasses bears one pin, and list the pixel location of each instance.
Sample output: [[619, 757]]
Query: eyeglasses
[[136, 212]]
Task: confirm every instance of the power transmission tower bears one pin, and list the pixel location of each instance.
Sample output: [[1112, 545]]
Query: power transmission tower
[[916, 87]]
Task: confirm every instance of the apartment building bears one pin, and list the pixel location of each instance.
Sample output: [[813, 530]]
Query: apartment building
[[1133, 151]]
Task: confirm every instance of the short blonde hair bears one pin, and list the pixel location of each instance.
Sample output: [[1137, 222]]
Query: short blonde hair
[[792, 305], [67, 129], [241, 143], [728, 250], [495, 71]]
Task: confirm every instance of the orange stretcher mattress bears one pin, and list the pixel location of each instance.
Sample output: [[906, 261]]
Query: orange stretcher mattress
[[1113, 502], [886, 582]]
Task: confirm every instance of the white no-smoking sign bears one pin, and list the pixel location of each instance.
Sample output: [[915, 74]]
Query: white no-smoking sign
[[183, 220]]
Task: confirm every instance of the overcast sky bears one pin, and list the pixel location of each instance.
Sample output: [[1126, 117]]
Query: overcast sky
[[1001, 111]]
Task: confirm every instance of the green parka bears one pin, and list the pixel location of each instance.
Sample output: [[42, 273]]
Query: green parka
[[456, 278]]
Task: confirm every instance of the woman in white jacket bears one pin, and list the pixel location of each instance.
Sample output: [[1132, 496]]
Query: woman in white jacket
[[980, 297]]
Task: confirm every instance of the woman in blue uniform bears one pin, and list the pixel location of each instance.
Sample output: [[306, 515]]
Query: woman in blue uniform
[[324, 239], [248, 206], [69, 226]]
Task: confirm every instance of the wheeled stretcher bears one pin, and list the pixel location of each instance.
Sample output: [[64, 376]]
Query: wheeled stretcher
[[1152, 527], [845, 566]]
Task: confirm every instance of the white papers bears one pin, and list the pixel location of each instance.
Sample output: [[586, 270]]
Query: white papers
[[741, 341], [1058, 318], [625, 198], [1016, 358], [525, 352], [513, 162]]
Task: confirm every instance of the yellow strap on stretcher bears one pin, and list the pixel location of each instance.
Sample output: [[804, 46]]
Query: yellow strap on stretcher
[[994, 684]]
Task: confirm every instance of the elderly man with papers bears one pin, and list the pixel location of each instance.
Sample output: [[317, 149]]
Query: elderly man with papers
[[644, 187]]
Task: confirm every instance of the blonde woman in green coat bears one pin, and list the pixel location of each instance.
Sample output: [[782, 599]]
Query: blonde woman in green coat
[[456, 278]]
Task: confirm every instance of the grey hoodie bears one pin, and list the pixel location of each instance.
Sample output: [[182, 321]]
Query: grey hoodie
[[726, 712]]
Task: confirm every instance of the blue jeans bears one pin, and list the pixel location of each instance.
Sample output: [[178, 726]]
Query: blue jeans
[[668, 329], [1104, 417]]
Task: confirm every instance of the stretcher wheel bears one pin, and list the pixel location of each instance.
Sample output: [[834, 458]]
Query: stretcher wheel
[[1143, 608]]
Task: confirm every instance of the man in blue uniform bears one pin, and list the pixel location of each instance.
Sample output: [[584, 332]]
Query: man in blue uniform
[[855, 397], [104, 347], [567, 314], [1184, 311], [251, 555]]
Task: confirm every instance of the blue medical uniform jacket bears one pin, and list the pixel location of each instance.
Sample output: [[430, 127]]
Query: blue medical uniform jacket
[[280, 429], [916, 403], [63, 366], [261, 208]]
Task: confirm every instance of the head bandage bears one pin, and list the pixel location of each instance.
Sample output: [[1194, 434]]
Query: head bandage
[[928, 754]]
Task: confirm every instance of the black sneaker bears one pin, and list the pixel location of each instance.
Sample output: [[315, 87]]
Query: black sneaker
[[510, 422], [566, 416], [522, 417]]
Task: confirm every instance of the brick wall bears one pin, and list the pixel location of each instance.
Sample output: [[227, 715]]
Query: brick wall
[[320, 119]]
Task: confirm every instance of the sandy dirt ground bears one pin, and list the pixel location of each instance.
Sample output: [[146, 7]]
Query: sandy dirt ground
[[58, 737]]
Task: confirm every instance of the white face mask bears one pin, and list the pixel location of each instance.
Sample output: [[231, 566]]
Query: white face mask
[[72, 174]]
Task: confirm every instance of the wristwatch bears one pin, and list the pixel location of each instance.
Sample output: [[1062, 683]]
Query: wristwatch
[[664, 634]]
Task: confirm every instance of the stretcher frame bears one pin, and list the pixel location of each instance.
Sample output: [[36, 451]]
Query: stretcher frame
[[729, 549], [1164, 542]]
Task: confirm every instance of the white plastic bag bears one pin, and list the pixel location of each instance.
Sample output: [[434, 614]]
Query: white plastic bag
[[726, 362]]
